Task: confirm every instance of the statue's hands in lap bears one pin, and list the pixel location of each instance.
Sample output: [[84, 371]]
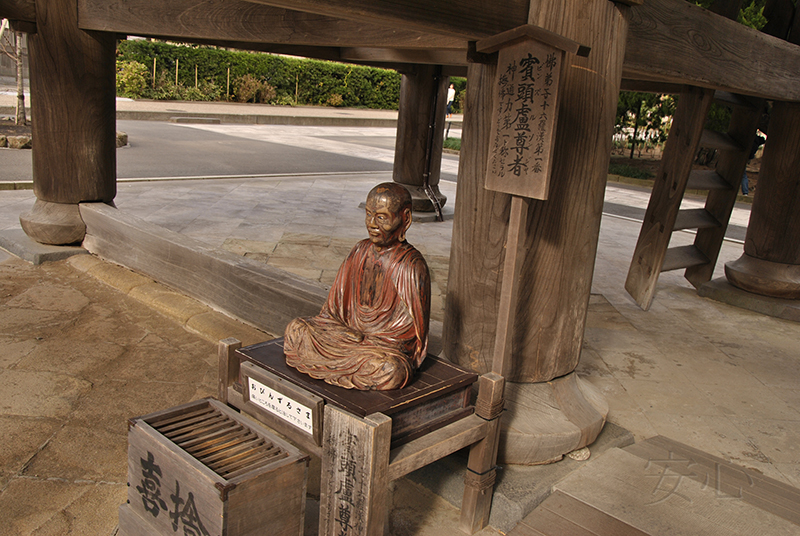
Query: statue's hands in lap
[[383, 289]]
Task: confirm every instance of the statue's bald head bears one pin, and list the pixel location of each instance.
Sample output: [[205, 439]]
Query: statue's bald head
[[388, 214], [398, 197]]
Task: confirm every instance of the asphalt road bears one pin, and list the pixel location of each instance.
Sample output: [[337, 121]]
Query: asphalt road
[[158, 149]]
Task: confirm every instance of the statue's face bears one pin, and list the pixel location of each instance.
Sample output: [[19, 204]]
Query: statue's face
[[384, 224]]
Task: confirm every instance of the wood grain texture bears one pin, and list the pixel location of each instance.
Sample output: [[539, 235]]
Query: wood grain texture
[[719, 204], [678, 42], [435, 446], [355, 463], [560, 241], [236, 475], [774, 231], [668, 190], [478, 490], [563, 514], [228, 366], [73, 122], [263, 296], [472, 20], [417, 152], [245, 22], [18, 10]]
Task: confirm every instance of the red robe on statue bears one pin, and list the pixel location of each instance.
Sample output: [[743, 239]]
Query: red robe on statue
[[372, 332]]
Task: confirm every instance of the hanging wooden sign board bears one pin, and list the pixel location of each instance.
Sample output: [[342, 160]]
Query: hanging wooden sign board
[[529, 67]]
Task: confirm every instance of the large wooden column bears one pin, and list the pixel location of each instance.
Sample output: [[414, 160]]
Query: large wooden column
[[770, 265], [73, 122], [420, 127], [559, 243]]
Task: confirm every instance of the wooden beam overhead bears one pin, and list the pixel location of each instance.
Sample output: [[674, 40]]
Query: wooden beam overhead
[[469, 19], [246, 22], [21, 10], [675, 41], [394, 55]]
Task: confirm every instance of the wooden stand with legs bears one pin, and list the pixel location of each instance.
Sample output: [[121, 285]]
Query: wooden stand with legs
[[359, 460]]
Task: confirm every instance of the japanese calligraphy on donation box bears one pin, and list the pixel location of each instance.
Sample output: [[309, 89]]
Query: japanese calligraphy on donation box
[[524, 119]]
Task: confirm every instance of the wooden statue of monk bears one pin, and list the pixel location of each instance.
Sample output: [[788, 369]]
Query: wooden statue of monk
[[372, 332]]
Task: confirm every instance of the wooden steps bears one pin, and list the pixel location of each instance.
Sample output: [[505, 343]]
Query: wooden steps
[[662, 487], [706, 179], [682, 257], [719, 141], [695, 218], [652, 254]]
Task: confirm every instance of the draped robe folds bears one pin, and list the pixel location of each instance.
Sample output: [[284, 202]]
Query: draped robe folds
[[372, 332]]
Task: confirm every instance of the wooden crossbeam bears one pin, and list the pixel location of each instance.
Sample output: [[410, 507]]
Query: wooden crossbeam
[[245, 22], [472, 19], [21, 10], [675, 41]]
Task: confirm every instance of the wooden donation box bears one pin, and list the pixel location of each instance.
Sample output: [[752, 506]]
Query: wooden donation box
[[201, 469], [292, 402]]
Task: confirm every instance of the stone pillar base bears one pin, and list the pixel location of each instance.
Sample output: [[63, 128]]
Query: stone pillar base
[[764, 277], [544, 421], [420, 200], [56, 224]]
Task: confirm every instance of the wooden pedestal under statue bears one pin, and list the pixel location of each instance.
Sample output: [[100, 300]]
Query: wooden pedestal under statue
[[366, 439]]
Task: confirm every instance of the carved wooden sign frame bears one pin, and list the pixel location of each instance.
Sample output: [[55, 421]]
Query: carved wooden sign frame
[[529, 67]]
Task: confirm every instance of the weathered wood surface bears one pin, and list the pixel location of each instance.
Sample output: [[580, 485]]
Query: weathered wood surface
[[228, 366], [479, 481], [73, 85], [678, 42], [420, 127], [723, 478], [226, 281], [21, 10], [246, 22], [563, 514], [561, 237], [771, 262], [436, 396], [443, 56], [509, 288], [774, 230], [435, 445], [668, 190], [203, 463], [355, 485], [731, 165], [470, 18]]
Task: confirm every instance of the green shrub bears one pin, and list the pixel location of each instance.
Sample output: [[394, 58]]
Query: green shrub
[[452, 143], [293, 80], [629, 171], [131, 79]]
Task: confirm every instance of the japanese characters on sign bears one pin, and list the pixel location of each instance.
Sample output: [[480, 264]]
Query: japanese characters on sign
[[182, 510], [281, 405], [524, 119], [348, 496]]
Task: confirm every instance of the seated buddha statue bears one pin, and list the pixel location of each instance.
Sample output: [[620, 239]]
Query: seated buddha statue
[[372, 332]]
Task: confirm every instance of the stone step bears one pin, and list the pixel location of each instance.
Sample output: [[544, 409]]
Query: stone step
[[662, 487]]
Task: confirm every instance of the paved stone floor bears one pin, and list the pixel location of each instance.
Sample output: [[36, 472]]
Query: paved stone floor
[[78, 357]]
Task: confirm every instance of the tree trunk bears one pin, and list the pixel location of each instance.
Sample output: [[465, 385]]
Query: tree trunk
[[21, 118]]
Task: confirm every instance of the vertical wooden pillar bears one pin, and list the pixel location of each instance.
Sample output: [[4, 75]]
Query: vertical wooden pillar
[[73, 121], [560, 241], [355, 466], [420, 127], [770, 265]]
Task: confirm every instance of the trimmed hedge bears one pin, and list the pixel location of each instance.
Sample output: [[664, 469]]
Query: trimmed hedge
[[295, 80]]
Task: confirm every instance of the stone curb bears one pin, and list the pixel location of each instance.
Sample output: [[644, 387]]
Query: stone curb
[[193, 315]]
